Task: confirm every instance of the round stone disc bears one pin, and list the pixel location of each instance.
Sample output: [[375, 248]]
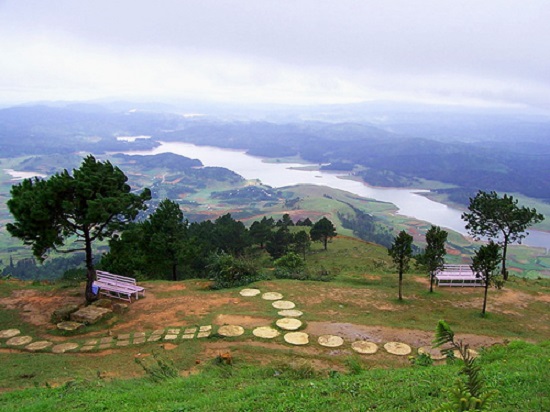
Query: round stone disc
[[272, 296], [297, 338], [283, 304], [64, 347], [290, 313], [9, 333], [230, 330], [397, 348], [330, 341], [473, 353], [266, 332], [250, 292], [289, 323], [39, 345], [434, 353], [19, 340], [364, 347]]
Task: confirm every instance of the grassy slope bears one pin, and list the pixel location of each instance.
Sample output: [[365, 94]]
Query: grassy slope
[[276, 377]]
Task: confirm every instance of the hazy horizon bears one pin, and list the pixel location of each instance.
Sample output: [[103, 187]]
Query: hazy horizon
[[491, 54]]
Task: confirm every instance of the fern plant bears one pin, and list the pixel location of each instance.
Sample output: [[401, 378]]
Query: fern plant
[[469, 395]]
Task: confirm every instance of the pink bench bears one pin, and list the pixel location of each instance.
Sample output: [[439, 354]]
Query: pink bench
[[121, 287]]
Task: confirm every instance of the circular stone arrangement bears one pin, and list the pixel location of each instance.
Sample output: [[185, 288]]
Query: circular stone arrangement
[[9, 333], [397, 348], [250, 292], [283, 304], [266, 332], [289, 323], [272, 296], [39, 345], [230, 330], [364, 347], [434, 353], [297, 338], [64, 347], [290, 313], [330, 341], [19, 340]]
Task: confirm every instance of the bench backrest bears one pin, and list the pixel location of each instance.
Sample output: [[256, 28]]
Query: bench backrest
[[107, 277]]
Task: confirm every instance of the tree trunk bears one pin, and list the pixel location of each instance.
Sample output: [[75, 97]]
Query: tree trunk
[[174, 272], [400, 284], [325, 240], [90, 271], [504, 249], [485, 296], [431, 282]]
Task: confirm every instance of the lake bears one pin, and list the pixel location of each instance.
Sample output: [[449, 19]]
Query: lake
[[408, 201]]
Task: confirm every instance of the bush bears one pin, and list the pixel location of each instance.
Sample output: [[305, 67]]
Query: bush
[[227, 271]]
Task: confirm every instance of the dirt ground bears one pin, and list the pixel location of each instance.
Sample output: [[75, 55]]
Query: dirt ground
[[165, 306]]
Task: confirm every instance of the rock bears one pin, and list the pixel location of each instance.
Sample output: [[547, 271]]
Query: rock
[[90, 314], [69, 326], [63, 313], [119, 308]]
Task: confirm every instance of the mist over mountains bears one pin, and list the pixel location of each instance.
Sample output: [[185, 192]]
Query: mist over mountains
[[383, 144]]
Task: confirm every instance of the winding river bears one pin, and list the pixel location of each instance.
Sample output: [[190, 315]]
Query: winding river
[[408, 201]]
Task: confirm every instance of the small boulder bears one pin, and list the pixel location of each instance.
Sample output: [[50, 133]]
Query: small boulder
[[69, 326], [90, 314], [119, 308], [63, 313]]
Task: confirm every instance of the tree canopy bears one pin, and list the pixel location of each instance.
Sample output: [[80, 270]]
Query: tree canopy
[[322, 230], [91, 204], [433, 257], [500, 219]]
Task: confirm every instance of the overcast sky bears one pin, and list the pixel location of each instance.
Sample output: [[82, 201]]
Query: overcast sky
[[473, 52]]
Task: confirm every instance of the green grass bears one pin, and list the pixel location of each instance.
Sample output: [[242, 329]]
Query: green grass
[[518, 371]]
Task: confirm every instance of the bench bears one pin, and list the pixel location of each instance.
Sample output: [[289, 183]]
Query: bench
[[121, 287], [457, 275]]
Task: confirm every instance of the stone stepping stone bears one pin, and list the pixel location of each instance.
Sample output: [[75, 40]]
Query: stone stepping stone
[[105, 346], [190, 330], [230, 330], [272, 296], [154, 338], [330, 341], [290, 313], [19, 340], [170, 337], [64, 347], [123, 336], [250, 292], [473, 353], [40, 345], [106, 340], [87, 348], [158, 332], [173, 331], [9, 333], [364, 347], [69, 326], [139, 340], [266, 332], [91, 342], [297, 338], [203, 334], [434, 353], [283, 304], [139, 335], [289, 323], [397, 348], [123, 343], [189, 336], [206, 328]]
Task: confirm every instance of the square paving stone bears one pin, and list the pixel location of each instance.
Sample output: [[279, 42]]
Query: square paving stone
[[105, 346], [158, 332], [139, 335], [170, 337], [137, 341], [203, 334], [106, 340], [123, 343], [190, 330], [173, 331], [86, 348], [188, 336], [154, 338], [206, 328], [124, 336]]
